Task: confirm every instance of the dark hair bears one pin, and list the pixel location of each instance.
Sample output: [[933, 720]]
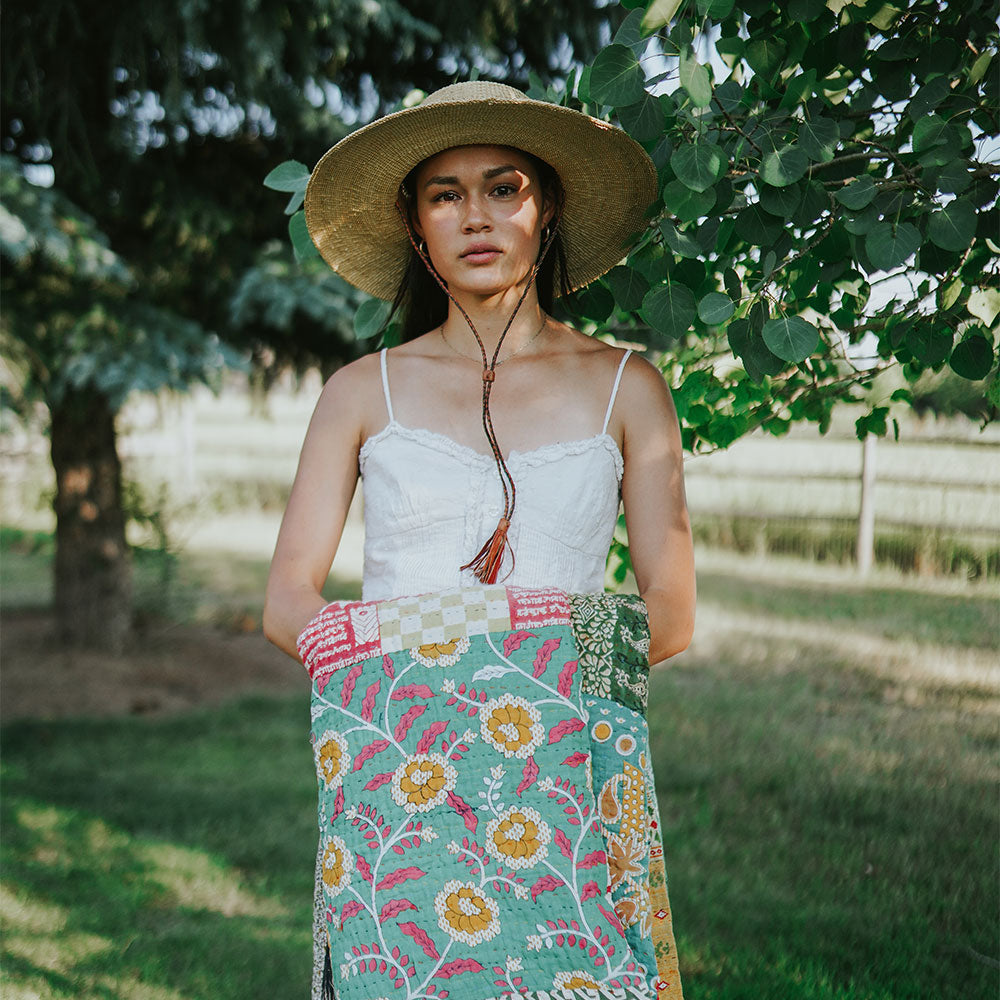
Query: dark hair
[[420, 300]]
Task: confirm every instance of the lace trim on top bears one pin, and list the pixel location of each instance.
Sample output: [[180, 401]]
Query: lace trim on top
[[462, 452]]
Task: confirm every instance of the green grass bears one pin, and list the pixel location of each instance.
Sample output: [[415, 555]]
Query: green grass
[[893, 610], [825, 840], [167, 859]]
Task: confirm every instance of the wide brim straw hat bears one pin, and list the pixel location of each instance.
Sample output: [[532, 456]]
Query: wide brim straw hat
[[608, 180]]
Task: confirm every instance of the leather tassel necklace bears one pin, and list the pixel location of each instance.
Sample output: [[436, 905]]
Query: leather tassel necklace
[[485, 565]]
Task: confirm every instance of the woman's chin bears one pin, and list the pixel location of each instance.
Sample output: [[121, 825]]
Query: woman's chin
[[482, 285]]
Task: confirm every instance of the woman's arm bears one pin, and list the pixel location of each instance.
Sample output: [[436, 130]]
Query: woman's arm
[[317, 508], [656, 514]]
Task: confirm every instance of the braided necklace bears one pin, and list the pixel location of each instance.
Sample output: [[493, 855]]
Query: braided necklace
[[501, 361]]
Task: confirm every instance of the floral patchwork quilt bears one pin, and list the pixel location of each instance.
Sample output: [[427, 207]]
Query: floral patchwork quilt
[[487, 814]]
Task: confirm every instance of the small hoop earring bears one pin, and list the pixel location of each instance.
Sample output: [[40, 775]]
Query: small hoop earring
[[422, 247]]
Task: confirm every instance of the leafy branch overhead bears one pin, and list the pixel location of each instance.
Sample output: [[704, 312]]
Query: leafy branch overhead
[[828, 201]]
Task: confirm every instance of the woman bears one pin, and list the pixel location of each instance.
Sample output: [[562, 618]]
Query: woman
[[495, 428]]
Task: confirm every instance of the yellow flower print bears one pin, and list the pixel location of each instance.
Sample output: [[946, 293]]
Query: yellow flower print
[[625, 858], [511, 725], [332, 759], [440, 654], [422, 782], [575, 980], [518, 837], [466, 913], [337, 865]]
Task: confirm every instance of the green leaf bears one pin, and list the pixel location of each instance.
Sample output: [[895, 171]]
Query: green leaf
[[799, 89], [698, 166], [288, 176], [972, 358], [928, 97], [686, 204], [857, 194], [805, 10], [659, 13], [748, 346], [928, 342], [930, 131], [715, 9], [954, 177], [370, 318], [682, 244], [889, 246], [953, 227], [616, 77], [862, 223], [302, 242], [790, 338], [729, 96], [757, 227], [630, 33], [628, 286], [730, 49], [594, 302], [733, 284], [295, 202], [715, 308], [695, 79], [765, 55], [780, 201], [784, 166], [643, 121], [669, 309], [818, 138]]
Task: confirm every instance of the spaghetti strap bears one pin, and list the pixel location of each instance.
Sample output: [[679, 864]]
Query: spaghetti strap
[[385, 386], [614, 390]]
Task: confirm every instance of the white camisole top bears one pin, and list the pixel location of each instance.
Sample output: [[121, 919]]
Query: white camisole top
[[430, 503]]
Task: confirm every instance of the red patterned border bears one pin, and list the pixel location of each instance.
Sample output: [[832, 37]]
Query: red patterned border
[[531, 608], [330, 641]]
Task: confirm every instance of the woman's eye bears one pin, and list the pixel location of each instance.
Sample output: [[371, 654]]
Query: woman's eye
[[445, 196], [504, 190]]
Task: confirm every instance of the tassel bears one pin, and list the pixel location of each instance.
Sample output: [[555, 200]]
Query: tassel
[[486, 565], [327, 985]]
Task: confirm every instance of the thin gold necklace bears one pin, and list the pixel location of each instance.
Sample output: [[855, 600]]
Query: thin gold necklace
[[527, 343]]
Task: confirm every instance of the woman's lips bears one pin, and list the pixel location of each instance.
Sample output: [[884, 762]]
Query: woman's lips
[[481, 253]]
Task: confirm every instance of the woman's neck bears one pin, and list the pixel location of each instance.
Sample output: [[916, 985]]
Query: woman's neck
[[490, 317]]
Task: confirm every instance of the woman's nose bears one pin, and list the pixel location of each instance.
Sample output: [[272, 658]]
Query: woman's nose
[[476, 214]]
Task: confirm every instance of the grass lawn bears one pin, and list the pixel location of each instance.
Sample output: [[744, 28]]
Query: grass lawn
[[831, 819]]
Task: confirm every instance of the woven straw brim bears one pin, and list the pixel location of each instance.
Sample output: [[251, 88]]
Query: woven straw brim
[[608, 179]]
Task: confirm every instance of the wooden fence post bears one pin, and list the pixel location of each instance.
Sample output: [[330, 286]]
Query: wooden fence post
[[865, 551]]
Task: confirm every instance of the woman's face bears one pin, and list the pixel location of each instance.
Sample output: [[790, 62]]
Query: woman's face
[[481, 210]]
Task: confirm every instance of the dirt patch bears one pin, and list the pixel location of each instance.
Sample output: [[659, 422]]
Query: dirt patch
[[170, 668]]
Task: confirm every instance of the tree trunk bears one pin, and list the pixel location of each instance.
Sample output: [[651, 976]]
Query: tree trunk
[[93, 571]]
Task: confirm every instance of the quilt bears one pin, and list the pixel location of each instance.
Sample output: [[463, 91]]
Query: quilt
[[488, 825]]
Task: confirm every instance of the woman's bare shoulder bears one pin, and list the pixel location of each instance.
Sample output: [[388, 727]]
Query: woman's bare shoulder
[[352, 401], [644, 395]]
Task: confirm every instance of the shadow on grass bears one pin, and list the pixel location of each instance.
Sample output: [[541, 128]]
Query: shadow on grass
[[822, 842], [967, 620], [174, 856]]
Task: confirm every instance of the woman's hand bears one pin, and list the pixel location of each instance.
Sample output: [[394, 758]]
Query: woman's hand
[[656, 516], [317, 508]]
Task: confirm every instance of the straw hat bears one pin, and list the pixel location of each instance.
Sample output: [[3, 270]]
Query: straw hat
[[608, 180]]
